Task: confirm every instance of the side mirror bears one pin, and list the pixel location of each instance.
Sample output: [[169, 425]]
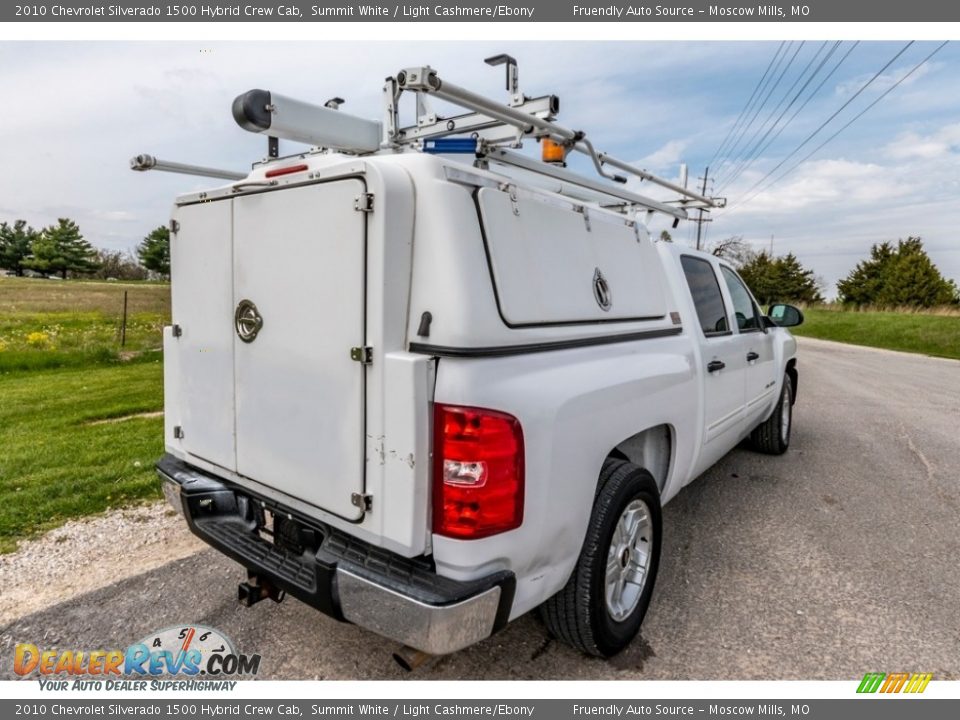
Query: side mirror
[[784, 315]]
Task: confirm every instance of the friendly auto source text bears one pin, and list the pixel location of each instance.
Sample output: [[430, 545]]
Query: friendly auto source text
[[616, 11]]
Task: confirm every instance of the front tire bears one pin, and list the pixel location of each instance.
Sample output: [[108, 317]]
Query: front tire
[[600, 609], [772, 436]]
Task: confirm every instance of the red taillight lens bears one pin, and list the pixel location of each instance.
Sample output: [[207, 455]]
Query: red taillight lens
[[477, 472]]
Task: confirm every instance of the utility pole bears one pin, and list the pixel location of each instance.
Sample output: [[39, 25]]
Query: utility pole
[[700, 219]]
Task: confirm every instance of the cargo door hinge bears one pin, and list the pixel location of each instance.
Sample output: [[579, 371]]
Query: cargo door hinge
[[362, 501], [363, 355], [174, 226], [514, 199], [178, 432], [363, 203], [176, 331]]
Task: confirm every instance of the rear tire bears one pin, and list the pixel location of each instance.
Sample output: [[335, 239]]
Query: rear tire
[[600, 609], [772, 436]]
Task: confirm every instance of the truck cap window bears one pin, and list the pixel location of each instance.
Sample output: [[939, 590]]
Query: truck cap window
[[748, 318], [706, 294]]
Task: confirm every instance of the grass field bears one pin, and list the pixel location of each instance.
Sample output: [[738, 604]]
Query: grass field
[[59, 460], [936, 333], [51, 323], [62, 374]]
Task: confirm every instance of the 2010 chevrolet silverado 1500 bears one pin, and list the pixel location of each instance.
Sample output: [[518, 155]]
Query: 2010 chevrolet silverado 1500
[[470, 384]]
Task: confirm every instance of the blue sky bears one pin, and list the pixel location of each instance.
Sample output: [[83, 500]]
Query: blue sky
[[76, 112]]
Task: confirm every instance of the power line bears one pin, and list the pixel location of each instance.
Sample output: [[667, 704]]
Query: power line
[[767, 77], [752, 154], [829, 119], [809, 98], [730, 153], [848, 124], [744, 111]]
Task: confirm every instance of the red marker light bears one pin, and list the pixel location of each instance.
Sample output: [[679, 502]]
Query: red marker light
[[289, 170]]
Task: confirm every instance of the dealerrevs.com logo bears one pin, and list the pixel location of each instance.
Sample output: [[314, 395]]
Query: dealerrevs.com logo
[[185, 651]]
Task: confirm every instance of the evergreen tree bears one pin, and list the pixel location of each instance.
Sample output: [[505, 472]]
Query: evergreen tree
[[760, 275], [154, 251], [45, 257], [15, 242], [61, 249], [901, 275], [780, 279], [862, 286]]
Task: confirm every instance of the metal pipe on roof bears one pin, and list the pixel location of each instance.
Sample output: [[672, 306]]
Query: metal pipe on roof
[[142, 163]]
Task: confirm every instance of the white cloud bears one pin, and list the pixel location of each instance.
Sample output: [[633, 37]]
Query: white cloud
[[667, 156], [886, 80], [911, 145]]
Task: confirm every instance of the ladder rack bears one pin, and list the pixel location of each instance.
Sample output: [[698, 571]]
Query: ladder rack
[[491, 131], [493, 124]]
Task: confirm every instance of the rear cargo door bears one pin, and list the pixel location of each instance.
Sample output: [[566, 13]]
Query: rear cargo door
[[299, 303], [201, 297]]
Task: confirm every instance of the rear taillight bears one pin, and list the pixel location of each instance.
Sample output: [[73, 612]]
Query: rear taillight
[[477, 472]]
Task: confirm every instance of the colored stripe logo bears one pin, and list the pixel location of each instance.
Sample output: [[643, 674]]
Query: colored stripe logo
[[894, 682]]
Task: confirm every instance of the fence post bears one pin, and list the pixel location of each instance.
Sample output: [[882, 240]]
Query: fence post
[[123, 323]]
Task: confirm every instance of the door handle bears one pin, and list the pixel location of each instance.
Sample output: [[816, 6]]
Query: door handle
[[751, 356], [715, 365]]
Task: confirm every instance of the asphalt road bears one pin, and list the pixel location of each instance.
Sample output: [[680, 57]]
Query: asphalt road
[[839, 558]]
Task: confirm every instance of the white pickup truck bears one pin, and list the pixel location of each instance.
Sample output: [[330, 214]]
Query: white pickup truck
[[427, 387]]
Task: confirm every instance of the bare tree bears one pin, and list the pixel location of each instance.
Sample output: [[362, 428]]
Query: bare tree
[[733, 249]]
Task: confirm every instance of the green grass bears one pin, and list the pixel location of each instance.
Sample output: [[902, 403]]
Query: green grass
[[62, 369], [56, 464], [935, 333]]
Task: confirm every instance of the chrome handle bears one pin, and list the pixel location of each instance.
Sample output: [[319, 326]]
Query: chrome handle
[[253, 183]]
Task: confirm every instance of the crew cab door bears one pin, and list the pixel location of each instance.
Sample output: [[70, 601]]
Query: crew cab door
[[761, 370], [723, 358]]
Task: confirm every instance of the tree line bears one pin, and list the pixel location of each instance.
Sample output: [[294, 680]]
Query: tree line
[[894, 275], [61, 249]]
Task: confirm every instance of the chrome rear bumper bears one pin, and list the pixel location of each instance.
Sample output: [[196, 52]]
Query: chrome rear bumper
[[399, 598]]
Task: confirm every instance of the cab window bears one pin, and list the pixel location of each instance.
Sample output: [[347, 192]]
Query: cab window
[[745, 310], [707, 298]]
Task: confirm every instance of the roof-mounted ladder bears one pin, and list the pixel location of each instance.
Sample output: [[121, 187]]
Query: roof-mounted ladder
[[494, 124]]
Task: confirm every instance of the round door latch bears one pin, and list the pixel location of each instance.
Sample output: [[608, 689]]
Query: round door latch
[[601, 291], [247, 321]]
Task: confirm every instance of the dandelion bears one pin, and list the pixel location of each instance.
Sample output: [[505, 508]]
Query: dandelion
[[38, 339]]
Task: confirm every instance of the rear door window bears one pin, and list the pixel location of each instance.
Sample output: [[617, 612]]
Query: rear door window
[[707, 298]]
